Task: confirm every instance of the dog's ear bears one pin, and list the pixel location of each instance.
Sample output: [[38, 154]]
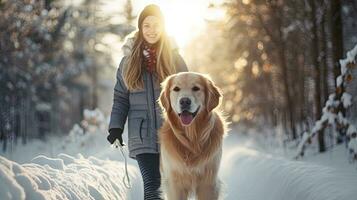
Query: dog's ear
[[213, 95], [164, 99]]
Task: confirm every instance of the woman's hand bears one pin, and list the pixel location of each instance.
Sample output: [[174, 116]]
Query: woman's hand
[[115, 133]]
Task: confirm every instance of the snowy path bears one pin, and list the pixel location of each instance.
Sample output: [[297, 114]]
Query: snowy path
[[247, 174], [252, 175]]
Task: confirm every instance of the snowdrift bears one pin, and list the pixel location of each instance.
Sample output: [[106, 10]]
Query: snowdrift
[[66, 177]]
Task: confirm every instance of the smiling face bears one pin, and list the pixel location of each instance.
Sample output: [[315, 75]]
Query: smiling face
[[187, 94], [152, 29]]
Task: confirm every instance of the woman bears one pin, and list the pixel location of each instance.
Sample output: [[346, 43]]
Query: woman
[[150, 58]]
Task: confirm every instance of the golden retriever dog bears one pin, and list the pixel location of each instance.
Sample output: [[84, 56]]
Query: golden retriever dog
[[190, 137]]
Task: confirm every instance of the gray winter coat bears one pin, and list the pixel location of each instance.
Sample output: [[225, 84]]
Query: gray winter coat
[[141, 108]]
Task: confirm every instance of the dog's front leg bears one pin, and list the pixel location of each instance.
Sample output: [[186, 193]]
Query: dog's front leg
[[207, 191], [174, 191]]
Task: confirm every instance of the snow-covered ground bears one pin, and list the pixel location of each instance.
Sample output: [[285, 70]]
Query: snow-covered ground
[[252, 168], [65, 177], [250, 174]]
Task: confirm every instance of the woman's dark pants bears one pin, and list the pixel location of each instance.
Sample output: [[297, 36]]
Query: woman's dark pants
[[149, 165]]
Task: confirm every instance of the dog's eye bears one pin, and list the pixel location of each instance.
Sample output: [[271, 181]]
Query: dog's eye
[[176, 89], [195, 88]]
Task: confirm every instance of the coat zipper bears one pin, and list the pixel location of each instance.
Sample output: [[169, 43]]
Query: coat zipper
[[154, 110], [153, 98]]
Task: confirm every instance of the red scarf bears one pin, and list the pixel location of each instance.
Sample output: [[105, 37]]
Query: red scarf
[[149, 52]]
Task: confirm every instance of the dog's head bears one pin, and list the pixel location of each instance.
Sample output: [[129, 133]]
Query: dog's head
[[187, 94]]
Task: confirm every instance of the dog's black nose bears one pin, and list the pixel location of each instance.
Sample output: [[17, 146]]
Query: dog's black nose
[[185, 102]]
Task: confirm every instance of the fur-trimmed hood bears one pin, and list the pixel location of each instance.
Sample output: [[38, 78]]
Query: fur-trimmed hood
[[129, 43]]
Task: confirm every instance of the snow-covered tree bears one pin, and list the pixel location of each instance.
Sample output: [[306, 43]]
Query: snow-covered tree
[[45, 46], [332, 115]]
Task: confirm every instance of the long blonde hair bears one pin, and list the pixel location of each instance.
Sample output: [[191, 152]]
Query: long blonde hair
[[165, 64]]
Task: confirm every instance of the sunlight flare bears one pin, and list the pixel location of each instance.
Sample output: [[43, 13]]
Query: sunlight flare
[[186, 19]]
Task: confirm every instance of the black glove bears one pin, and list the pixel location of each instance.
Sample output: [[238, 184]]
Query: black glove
[[115, 133]]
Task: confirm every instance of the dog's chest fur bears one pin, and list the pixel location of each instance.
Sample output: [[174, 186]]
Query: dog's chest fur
[[191, 148]]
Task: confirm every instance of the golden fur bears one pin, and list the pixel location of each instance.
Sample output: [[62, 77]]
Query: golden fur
[[190, 155]]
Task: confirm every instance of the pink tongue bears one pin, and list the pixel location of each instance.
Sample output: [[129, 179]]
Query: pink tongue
[[186, 118]]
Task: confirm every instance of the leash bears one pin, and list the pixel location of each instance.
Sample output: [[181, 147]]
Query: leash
[[126, 178]]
